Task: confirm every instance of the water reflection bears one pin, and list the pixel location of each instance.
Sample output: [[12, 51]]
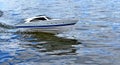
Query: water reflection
[[1, 13], [48, 43]]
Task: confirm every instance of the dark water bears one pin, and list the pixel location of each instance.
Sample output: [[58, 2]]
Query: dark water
[[95, 40]]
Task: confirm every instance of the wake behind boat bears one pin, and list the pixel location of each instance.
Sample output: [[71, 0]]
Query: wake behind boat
[[45, 24]]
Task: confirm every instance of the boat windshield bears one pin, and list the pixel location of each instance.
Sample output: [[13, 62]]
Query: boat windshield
[[37, 19], [48, 18]]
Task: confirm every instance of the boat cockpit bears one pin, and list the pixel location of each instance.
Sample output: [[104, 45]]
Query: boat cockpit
[[38, 18]]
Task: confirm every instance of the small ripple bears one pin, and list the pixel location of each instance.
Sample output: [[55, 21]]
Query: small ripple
[[1, 13]]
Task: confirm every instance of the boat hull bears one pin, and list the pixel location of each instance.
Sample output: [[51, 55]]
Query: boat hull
[[55, 30], [55, 26]]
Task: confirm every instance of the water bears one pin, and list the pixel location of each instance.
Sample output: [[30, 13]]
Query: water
[[97, 33]]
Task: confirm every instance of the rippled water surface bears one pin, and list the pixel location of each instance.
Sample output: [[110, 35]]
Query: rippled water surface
[[94, 41]]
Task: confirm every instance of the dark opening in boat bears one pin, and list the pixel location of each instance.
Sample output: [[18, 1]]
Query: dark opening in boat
[[37, 19]]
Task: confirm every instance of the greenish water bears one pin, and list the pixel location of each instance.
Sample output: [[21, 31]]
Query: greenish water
[[50, 43]]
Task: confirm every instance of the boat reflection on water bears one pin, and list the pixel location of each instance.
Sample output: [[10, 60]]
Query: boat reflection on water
[[49, 44]]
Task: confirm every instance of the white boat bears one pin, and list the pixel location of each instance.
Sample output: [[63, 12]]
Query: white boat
[[45, 24]]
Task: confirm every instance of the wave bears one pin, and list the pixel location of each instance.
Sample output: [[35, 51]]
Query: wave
[[1, 13], [6, 26]]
